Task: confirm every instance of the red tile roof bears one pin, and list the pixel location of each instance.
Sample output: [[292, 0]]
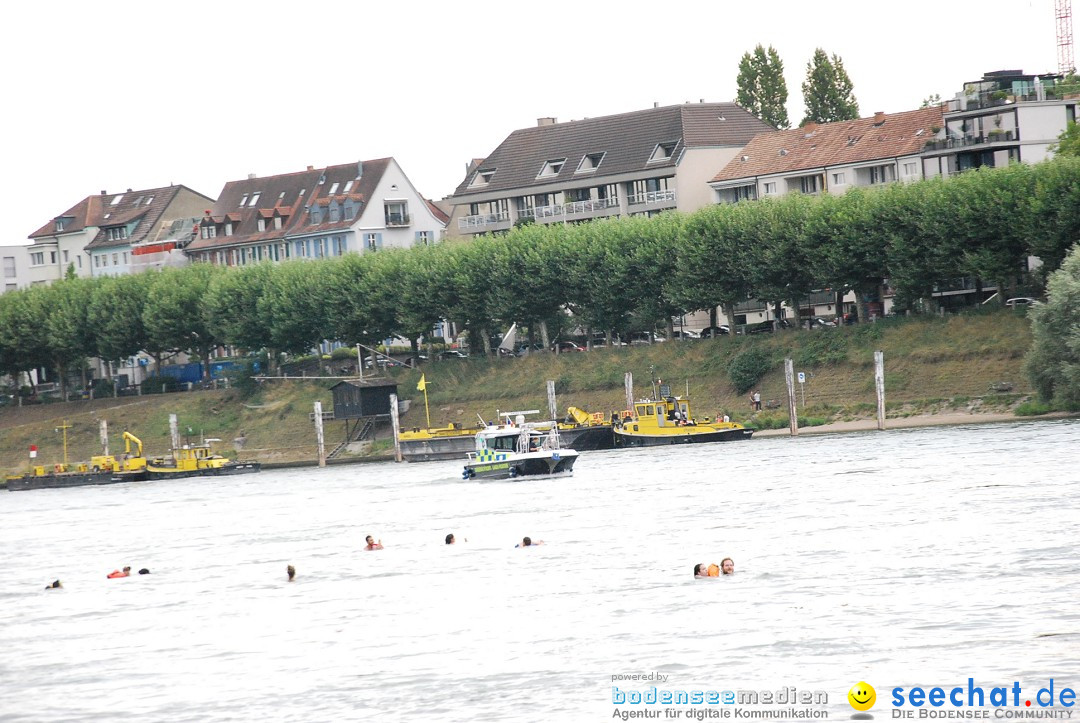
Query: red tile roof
[[834, 144]]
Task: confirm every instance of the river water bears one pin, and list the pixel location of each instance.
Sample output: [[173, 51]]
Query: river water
[[912, 557]]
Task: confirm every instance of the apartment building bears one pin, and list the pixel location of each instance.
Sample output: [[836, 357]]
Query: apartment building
[[830, 157], [642, 162], [359, 207]]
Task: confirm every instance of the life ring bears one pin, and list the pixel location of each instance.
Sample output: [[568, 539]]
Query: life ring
[[58, 468], [513, 472]]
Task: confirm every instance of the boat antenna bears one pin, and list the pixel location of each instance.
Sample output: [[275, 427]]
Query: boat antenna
[[652, 380], [688, 388]]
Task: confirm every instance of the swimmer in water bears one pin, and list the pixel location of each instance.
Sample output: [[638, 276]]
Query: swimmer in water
[[528, 542], [291, 572], [53, 585], [371, 544], [701, 570], [727, 566]]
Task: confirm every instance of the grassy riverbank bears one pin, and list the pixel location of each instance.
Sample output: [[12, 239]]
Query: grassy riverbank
[[969, 363]]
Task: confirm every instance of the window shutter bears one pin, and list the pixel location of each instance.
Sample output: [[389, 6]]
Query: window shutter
[[378, 240]]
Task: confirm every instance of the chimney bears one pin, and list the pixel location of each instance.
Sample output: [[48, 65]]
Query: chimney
[[311, 168], [129, 190], [879, 117], [359, 169], [701, 100], [549, 121], [251, 176], [104, 192], [655, 104]]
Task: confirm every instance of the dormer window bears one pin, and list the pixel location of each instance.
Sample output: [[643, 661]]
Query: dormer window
[[482, 178], [261, 225], [551, 168], [663, 151], [117, 233], [590, 162], [60, 224]]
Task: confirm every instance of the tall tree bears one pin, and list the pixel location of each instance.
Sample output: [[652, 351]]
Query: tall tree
[[1053, 363], [828, 91], [762, 89]]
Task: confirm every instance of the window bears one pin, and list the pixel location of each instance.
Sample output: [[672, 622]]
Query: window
[[810, 184], [770, 188], [97, 262], [65, 257], [315, 215], [243, 200], [254, 198], [228, 229], [350, 210], [60, 223], [10, 287], [348, 186], [397, 213], [333, 188], [117, 233], [482, 178], [209, 230], [839, 179], [125, 257], [9, 267], [882, 174], [52, 257], [261, 225], [744, 193], [117, 199], [371, 241], [79, 259], [590, 162], [149, 200], [910, 168], [277, 222], [335, 212], [663, 151], [551, 168], [576, 194], [115, 259], [423, 238], [339, 245]]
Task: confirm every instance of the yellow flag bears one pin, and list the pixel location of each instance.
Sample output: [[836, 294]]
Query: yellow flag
[[422, 384]]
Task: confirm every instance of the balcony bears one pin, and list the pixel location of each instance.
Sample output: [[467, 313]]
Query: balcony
[[546, 213], [485, 222], [397, 219], [967, 141], [665, 199], [592, 207]]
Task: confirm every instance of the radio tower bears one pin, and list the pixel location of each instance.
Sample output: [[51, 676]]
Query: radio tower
[[1066, 60]]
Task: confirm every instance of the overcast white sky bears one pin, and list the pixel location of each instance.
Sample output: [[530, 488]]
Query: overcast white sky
[[119, 94]]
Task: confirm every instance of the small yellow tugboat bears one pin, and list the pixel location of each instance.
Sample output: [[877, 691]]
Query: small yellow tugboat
[[670, 420], [435, 443], [197, 460]]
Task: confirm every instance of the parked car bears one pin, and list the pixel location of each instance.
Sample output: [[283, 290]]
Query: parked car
[[818, 323], [766, 327], [452, 354], [565, 346], [383, 363], [1019, 301], [710, 332], [524, 349]]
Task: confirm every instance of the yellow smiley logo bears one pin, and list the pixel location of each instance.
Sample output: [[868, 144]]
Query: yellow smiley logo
[[862, 696]]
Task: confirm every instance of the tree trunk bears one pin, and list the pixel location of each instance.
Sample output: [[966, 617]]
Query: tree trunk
[[544, 336], [670, 328], [840, 308], [1003, 293], [794, 301], [588, 338], [777, 310], [415, 350], [486, 340], [63, 380]]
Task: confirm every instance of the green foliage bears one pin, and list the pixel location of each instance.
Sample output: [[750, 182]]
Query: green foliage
[[748, 367], [762, 89], [1053, 363], [1069, 141], [826, 346], [828, 91], [934, 99], [1032, 409]]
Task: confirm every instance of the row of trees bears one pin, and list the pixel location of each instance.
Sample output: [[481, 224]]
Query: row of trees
[[616, 275], [828, 92]]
